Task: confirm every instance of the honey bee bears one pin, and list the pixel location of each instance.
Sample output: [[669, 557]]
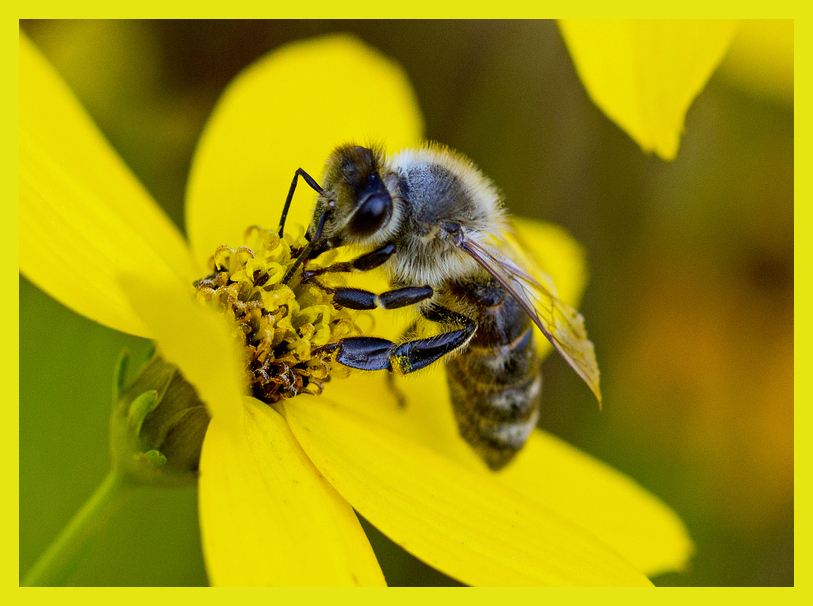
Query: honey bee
[[436, 224]]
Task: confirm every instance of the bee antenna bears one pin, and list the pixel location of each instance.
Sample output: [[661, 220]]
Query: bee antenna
[[310, 181], [308, 248]]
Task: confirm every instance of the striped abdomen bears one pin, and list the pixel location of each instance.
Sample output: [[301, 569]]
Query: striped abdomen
[[495, 384]]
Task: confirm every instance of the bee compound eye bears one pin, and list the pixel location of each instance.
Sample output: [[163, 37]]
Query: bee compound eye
[[372, 215]]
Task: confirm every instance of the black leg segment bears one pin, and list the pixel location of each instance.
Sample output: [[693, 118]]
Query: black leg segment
[[365, 353], [415, 355], [372, 353], [374, 258], [355, 298], [365, 262], [401, 297]]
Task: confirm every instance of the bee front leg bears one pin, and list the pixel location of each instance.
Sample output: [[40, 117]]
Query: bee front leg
[[365, 262]]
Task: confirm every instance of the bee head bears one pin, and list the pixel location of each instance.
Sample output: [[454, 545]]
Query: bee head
[[355, 206]]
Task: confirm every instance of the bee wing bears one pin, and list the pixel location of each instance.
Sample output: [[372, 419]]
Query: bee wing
[[504, 258]]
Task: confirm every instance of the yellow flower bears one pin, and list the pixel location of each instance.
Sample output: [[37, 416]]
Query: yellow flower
[[278, 486]]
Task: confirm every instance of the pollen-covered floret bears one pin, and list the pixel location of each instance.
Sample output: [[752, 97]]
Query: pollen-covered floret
[[284, 328]]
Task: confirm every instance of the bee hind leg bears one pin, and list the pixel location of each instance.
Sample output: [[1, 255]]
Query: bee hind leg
[[374, 353], [398, 393]]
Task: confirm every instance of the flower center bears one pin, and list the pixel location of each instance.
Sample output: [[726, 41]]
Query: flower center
[[283, 327]]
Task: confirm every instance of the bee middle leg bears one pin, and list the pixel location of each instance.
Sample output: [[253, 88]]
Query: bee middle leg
[[356, 298]]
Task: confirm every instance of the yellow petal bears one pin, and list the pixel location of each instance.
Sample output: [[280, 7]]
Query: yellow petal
[[196, 339], [84, 217], [644, 74], [268, 517], [559, 477], [463, 523], [589, 493], [635, 523], [289, 110]]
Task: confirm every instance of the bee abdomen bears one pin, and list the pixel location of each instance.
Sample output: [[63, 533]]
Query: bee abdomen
[[495, 393]]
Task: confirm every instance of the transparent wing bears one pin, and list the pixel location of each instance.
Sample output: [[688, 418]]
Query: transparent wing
[[505, 259]]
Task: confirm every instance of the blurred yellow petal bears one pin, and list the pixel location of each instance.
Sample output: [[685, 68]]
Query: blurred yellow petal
[[268, 517], [289, 110], [84, 217], [463, 523], [760, 59], [197, 340], [644, 74]]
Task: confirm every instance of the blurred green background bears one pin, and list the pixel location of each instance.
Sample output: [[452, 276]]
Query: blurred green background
[[690, 303]]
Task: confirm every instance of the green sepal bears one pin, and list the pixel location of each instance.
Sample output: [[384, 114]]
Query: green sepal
[[140, 408], [157, 426], [153, 459], [183, 438]]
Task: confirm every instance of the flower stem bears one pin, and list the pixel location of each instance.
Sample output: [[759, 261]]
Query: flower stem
[[56, 564]]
